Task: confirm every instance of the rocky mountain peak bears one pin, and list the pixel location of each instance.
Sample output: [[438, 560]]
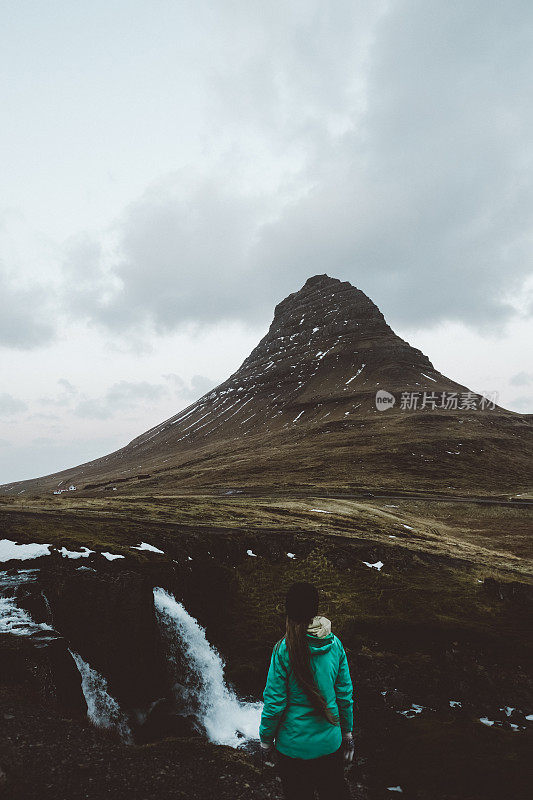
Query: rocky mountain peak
[[325, 354], [326, 325], [318, 369], [329, 304]]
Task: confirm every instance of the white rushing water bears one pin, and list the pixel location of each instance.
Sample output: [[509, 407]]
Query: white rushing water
[[225, 718], [102, 709], [17, 621], [13, 619]]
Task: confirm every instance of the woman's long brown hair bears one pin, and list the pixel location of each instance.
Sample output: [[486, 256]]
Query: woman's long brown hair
[[300, 661]]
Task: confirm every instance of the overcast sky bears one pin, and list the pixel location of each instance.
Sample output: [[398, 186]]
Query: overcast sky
[[171, 169]]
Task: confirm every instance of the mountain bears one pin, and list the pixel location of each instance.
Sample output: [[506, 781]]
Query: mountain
[[301, 413]]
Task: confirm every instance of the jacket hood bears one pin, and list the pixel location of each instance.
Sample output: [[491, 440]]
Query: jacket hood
[[319, 627], [319, 635]]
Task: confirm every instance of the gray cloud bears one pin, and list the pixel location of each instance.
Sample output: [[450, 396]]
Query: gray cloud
[[523, 403], [125, 395], [184, 257], [411, 130], [521, 379], [10, 405], [192, 390], [65, 397], [25, 316], [118, 398], [44, 455], [68, 387], [427, 206]]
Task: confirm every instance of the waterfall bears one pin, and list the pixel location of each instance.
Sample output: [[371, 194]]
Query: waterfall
[[225, 718], [13, 619], [102, 709], [17, 621]]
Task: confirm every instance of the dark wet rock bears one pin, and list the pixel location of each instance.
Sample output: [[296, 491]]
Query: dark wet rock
[[110, 621], [46, 757], [31, 598], [46, 670], [397, 700], [163, 720]]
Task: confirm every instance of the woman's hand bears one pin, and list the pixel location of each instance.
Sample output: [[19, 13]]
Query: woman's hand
[[348, 748], [267, 755]]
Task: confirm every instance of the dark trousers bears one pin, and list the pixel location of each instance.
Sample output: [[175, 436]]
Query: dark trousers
[[301, 777]]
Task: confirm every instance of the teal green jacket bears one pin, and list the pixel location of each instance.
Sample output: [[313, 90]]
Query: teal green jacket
[[288, 718]]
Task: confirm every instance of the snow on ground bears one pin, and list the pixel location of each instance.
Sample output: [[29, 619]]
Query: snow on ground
[[320, 511], [529, 717], [111, 556], [74, 553], [429, 376], [21, 552], [356, 374], [490, 722], [408, 527], [146, 546], [455, 704], [394, 788], [251, 553], [291, 555], [377, 565]]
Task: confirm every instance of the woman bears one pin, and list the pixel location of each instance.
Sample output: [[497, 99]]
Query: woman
[[308, 708]]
